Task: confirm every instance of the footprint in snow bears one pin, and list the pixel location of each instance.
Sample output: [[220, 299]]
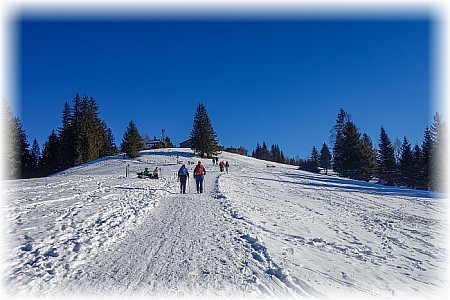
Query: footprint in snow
[[28, 247]]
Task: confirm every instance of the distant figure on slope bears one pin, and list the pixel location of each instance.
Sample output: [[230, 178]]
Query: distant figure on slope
[[155, 174], [221, 166], [199, 175], [227, 165], [183, 175]]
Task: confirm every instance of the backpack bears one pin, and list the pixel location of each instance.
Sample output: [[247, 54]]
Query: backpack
[[199, 170], [182, 171]]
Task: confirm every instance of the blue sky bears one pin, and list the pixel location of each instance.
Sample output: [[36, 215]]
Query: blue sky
[[279, 81]]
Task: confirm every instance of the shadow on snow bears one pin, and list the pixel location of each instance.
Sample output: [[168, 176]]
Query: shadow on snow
[[349, 185]]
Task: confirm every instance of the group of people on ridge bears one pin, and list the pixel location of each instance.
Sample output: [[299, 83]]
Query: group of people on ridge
[[199, 176], [223, 166]]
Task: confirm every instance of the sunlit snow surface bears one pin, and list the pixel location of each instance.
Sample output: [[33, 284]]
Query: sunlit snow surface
[[257, 231]]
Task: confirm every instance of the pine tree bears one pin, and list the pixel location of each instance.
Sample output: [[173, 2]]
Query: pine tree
[[337, 135], [312, 163], [427, 149], [35, 159], [11, 152], [203, 137], [132, 142], [265, 154], [50, 155], [110, 148], [438, 174], [368, 158], [325, 158], [314, 160], [76, 144], [352, 155], [257, 153], [387, 167], [84, 136], [406, 164], [25, 154], [168, 143], [351, 152], [18, 157], [276, 154], [91, 134], [397, 145], [315, 155], [67, 138], [418, 180]]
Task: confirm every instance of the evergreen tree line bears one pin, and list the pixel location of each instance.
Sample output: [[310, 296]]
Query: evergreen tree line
[[316, 160], [133, 142], [275, 154], [354, 156], [203, 137], [82, 137], [241, 150]]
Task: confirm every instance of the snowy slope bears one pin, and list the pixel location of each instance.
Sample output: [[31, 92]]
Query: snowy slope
[[257, 231]]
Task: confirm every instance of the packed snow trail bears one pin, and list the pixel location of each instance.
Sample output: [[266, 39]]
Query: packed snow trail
[[258, 231], [185, 247]]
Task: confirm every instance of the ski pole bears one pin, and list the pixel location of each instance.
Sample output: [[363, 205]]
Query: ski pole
[[189, 185], [203, 184]]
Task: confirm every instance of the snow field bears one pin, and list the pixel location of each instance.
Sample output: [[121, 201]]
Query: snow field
[[258, 231], [341, 237], [59, 223]]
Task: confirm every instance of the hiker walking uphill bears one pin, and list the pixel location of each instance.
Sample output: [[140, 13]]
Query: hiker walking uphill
[[183, 175], [199, 175]]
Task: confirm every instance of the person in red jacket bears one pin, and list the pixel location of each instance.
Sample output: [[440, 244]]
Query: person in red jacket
[[199, 175]]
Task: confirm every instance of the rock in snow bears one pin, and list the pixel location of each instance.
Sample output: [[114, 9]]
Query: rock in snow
[[255, 232]]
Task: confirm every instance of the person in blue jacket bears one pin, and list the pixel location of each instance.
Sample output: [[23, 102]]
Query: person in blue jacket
[[183, 175]]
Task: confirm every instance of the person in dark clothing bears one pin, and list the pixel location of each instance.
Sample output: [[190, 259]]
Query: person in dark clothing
[[183, 175], [155, 174], [199, 175], [227, 165]]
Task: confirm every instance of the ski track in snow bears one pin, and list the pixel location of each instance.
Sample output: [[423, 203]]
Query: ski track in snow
[[257, 231]]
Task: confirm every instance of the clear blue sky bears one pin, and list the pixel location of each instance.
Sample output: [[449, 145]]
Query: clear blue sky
[[260, 80]]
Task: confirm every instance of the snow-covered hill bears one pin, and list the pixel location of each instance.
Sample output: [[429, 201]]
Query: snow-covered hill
[[256, 231]]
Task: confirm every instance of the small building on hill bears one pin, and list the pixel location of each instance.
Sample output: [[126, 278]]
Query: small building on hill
[[186, 144], [149, 144]]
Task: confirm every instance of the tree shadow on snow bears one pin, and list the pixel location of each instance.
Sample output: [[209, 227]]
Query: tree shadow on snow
[[343, 184], [173, 153], [323, 181]]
